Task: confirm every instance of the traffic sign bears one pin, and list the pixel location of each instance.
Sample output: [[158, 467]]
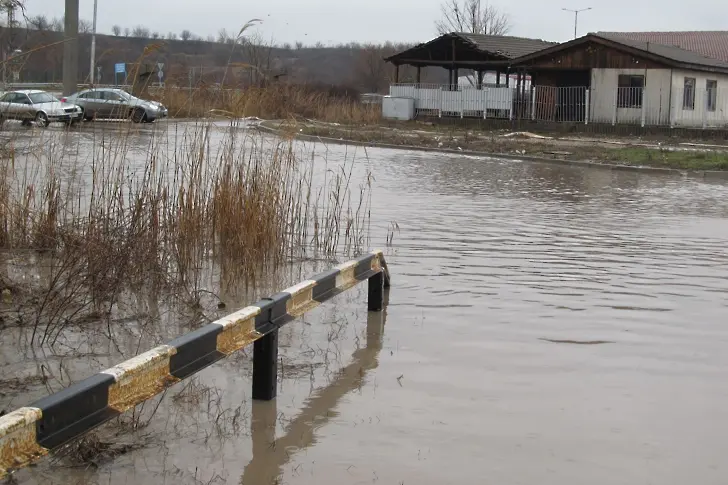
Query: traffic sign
[[119, 68], [160, 65]]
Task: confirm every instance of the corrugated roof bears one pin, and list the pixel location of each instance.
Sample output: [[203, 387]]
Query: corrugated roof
[[504, 45], [671, 52], [713, 44]]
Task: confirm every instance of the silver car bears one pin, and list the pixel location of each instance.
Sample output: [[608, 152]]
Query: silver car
[[113, 103], [30, 105]]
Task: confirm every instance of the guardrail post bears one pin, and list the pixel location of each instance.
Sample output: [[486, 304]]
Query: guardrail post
[[265, 367], [376, 292], [587, 105]]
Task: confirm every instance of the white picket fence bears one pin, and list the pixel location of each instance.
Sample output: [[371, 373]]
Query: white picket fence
[[693, 108]]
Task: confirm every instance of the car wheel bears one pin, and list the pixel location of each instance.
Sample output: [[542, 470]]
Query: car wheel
[[25, 123], [138, 115], [86, 117], [41, 119]]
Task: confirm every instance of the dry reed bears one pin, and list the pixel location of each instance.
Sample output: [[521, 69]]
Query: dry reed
[[115, 221]]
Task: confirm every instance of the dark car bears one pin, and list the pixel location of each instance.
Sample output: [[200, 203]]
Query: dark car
[[113, 103]]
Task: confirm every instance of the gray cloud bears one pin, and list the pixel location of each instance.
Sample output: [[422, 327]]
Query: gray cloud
[[334, 21]]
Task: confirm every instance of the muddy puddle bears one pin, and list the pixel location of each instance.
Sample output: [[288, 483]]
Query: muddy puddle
[[547, 324]]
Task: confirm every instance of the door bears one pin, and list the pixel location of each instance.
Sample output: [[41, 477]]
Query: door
[[17, 106], [91, 103], [5, 104], [114, 105]]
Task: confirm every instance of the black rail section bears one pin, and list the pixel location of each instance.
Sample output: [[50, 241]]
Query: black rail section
[[28, 433]]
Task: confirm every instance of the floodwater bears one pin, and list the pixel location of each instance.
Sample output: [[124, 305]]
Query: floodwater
[[546, 324]]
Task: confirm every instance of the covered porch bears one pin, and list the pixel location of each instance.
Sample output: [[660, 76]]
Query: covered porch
[[481, 78]]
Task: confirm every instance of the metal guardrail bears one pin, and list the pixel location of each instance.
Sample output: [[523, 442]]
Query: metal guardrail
[[30, 433]]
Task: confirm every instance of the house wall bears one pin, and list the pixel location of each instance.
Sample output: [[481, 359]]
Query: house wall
[[699, 116], [655, 100]]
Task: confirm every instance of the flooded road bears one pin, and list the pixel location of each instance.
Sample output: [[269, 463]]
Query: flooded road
[[547, 324]]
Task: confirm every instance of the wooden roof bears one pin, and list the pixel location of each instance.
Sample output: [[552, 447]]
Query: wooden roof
[[460, 49], [667, 55]]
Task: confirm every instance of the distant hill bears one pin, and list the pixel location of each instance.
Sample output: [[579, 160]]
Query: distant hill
[[190, 62]]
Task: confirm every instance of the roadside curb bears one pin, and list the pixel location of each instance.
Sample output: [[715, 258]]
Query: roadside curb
[[700, 174]]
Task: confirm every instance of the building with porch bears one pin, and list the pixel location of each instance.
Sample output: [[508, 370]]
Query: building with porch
[[597, 78]]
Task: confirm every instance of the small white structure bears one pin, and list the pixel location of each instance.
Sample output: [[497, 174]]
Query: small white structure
[[398, 108]]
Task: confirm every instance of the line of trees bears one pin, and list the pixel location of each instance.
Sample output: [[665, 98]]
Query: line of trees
[[359, 65]]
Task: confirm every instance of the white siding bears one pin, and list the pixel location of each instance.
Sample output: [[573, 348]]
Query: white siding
[[699, 116], [656, 99]]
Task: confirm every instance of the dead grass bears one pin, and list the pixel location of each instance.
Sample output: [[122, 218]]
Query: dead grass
[[246, 203], [275, 101]]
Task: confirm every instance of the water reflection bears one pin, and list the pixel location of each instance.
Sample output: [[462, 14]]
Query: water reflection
[[271, 454]]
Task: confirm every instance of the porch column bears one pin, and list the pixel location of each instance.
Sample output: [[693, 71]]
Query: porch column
[[519, 101], [419, 77], [497, 78], [396, 74], [480, 79], [455, 79], [449, 78], [508, 78]]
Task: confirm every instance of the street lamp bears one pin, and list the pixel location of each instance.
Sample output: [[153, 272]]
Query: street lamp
[[576, 16], [93, 47]]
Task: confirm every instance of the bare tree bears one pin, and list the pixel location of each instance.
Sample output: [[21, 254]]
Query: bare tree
[[371, 71], [171, 36], [127, 32], [474, 17], [56, 24], [299, 45], [223, 36], [116, 30], [85, 26], [39, 22], [185, 35], [141, 31], [155, 35]]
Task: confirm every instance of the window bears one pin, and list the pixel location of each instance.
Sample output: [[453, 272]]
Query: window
[[629, 91], [20, 98], [40, 98], [711, 90], [110, 96], [689, 93]]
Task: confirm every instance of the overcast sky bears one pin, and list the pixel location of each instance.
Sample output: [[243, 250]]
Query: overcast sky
[[334, 21]]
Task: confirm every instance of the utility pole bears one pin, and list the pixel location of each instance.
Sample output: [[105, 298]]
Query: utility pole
[[70, 48], [576, 16], [93, 47]]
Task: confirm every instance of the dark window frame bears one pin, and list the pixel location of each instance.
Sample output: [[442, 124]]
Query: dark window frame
[[689, 85], [711, 93]]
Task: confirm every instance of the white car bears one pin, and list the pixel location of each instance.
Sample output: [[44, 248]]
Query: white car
[[32, 105]]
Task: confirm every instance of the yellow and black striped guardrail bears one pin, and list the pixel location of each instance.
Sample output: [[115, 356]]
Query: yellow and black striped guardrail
[[32, 432]]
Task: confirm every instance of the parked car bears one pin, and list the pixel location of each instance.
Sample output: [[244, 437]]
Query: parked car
[[113, 103], [30, 105]]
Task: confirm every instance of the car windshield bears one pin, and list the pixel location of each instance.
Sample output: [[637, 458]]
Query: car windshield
[[38, 98]]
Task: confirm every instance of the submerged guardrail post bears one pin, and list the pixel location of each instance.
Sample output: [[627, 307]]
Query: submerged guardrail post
[[375, 301], [265, 367]]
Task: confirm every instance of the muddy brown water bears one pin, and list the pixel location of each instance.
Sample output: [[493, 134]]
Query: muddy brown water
[[547, 324]]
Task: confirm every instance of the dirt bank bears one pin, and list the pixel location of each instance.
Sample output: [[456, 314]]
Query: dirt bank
[[672, 154]]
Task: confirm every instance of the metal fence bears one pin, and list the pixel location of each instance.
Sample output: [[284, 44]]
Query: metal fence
[[689, 107]]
